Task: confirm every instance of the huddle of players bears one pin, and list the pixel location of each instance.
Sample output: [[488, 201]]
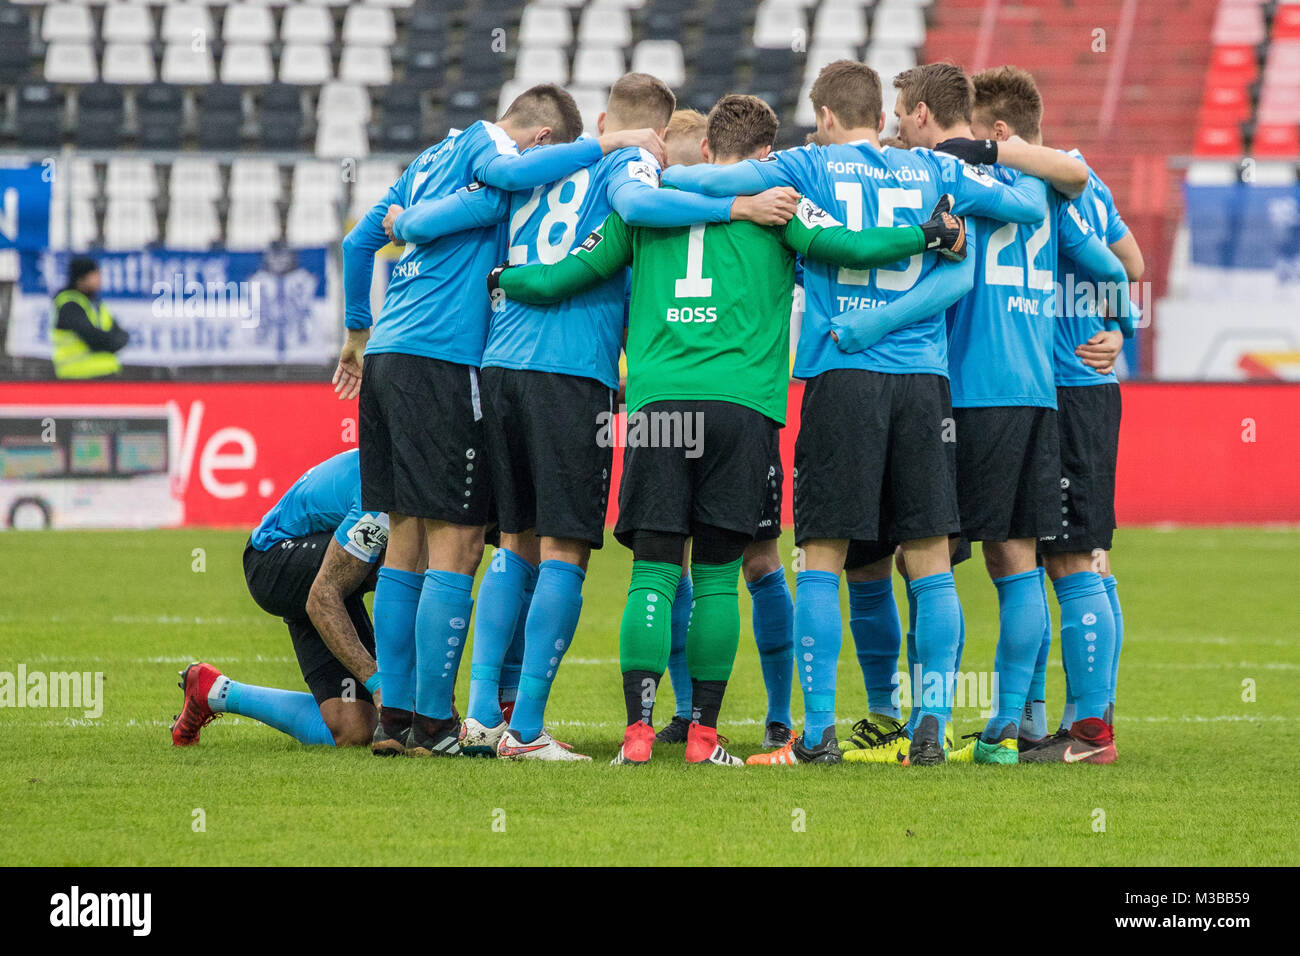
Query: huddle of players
[[712, 269]]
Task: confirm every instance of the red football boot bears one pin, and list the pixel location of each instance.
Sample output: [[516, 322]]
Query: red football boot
[[702, 747], [196, 680], [638, 740]]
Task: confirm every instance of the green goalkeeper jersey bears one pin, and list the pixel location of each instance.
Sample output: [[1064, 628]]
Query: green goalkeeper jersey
[[709, 316]]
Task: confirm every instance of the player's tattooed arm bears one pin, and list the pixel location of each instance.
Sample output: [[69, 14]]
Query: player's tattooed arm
[[340, 576]]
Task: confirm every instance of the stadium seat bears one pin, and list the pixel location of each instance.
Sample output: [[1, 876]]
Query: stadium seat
[[898, 23], [306, 24], [845, 20], [316, 180], [100, 117], [76, 180], [195, 177], [545, 26], [15, 44], [130, 177], [254, 179], [1276, 140], [342, 139], [305, 64], [591, 102], [186, 66], [661, 58], [424, 67], [192, 224], [251, 224], [129, 224], [158, 111], [605, 24], [541, 64], [312, 223], [1238, 25], [369, 26], [128, 63], [279, 115], [126, 23], [374, 177], [67, 22], [183, 22], [72, 225], [71, 61], [889, 60], [1232, 64], [1218, 141], [247, 23], [367, 65], [400, 129], [343, 101], [1286, 23], [598, 66], [246, 64], [221, 117]]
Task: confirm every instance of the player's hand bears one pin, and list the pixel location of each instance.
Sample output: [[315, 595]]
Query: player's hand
[[1100, 352], [347, 377], [389, 218], [974, 151], [772, 207], [944, 232], [646, 139]]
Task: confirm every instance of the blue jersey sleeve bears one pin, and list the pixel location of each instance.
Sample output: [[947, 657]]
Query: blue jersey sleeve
[[643, 205], [471, 207], [359, 247], [977, 193], [1095, 259], [860, 329], [363, 534], [497, 161], [739, 179], [1116, 227]]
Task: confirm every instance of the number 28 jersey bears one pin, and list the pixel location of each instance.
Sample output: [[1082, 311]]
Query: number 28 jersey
[[583, 335]]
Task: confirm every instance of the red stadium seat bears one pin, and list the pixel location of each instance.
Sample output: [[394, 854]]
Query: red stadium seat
[[1277, 141], [1230, 101], [1232, 65], [1218, 141], [1286, 23]]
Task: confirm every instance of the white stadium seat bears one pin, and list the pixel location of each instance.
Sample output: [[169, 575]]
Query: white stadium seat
[[312, 224], [778, 22], [195, 177], [251, 225], [186, 66], [68, 22], [661, 58], [247, 23], [80, 219], [317, 180], [541, 64], [373, 179], [605, 24], [70, 61], [246, 64], [183, 22], [130, 177], [591, 103], [598, 66], [367, 65], [305, 64], [545, 26], [254, 179], [343, 101], [192, 224], [844, 20], [127, 23], [898, 23], [129, 224], [130, 64], [304, 24], [339, 139], [372, 26]]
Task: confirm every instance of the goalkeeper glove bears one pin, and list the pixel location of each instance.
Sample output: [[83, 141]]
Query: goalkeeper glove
[[944, 232]]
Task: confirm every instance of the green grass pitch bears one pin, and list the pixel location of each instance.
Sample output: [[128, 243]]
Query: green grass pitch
[[1205, 777]]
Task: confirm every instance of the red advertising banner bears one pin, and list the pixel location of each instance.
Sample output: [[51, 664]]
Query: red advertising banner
[[1194, 453]]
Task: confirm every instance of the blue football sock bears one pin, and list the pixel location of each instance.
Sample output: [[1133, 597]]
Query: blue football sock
[[819, 631], [552, 621], [1034, 722], [938, 636], [508, 688], [291, 712], [1118, 615], [397, 596], [1087, 641], [500, 601], [773, 618], [441, 626], [873, 619], [1022, 611], [912, 689], [678, 672]]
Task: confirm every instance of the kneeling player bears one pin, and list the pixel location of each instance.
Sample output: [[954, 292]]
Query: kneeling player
[[310, 562], [708, 359]]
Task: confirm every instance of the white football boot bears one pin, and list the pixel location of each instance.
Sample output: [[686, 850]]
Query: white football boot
[[479, 740], [545, 747]]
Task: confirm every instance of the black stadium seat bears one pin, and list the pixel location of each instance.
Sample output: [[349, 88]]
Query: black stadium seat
[[15, 44], [100, 115], [221, 114], [40, 114], [159, 108], [280, 117], [400, 129]]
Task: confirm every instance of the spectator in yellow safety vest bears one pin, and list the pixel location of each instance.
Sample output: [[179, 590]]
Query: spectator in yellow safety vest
[[86, 340]]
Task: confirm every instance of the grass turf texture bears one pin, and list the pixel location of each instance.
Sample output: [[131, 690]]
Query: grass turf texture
[[1204, 777]]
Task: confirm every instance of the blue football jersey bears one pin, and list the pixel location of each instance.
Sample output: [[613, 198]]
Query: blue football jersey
[[1079, 319], [327, 498], [582, 335], [863, 185]]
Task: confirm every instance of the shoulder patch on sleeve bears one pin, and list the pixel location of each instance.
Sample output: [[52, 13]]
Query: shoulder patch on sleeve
[[644, 168], [977, 174], [592, 241], [369, 535], [475, 185], [814, 216]]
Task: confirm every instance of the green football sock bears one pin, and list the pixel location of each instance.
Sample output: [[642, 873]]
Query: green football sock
[[714, 634], [645, 636]]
